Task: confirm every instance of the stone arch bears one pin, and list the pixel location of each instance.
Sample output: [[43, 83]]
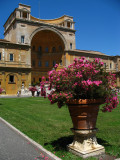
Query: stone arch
[[43, 56], [11, 73], [50, 29]]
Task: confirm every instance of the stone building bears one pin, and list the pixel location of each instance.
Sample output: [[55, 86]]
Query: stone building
[[32, 46]]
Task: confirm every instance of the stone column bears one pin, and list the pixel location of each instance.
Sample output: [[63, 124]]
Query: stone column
[[3, 81], [19, 82], [3, 55], [73, 25], [21, 14], [65, 24], [117, 81], [64, 60], [27, 83]]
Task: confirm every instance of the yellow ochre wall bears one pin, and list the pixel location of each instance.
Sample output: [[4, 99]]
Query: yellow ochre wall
[[20, 68]]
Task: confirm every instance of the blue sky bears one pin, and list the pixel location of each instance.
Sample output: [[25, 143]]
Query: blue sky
[[97, 21]]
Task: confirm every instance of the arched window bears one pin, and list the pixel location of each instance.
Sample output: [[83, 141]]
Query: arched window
[[53, 50]]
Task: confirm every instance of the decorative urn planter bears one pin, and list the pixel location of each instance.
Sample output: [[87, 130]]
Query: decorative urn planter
[[84, 114]]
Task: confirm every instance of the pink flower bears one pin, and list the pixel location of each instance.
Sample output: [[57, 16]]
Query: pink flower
[[56, 66], [43, 78], [82, 79]]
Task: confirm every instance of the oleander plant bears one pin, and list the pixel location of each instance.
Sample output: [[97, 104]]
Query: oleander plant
[[83, 79]]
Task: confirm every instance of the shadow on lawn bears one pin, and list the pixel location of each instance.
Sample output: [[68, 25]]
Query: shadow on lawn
[[103, 142], [61, 143]]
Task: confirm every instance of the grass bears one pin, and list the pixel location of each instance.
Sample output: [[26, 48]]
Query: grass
[[50, 126]]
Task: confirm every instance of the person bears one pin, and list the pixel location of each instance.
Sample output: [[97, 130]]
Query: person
[[38, 92], [18, 93]]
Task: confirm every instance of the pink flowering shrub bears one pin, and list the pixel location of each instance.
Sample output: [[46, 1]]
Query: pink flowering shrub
[[1, 90], [43, 89], [83, 79], [42, 86]]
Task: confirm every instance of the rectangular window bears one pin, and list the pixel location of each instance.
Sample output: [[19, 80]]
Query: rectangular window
[[116, 67], [46, 49], [105, 65], [70, 45], [40, 49], [61, 62], [33, 48], [39, 64], [11, 57], [46, 64], [33, 63], [54, 63], [110, 65], [33, 80], [0, 56], [11, 79], [22, 39], [24, 14]]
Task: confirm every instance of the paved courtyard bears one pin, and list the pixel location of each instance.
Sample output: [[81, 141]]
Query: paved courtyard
[[14, 147]]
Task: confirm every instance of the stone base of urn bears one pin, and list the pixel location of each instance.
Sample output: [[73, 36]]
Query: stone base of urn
[[85, 144]]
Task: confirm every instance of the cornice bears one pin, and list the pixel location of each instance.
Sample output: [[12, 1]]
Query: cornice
[[13, 45]]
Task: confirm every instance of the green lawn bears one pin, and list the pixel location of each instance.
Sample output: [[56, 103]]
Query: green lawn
[[50, 126]]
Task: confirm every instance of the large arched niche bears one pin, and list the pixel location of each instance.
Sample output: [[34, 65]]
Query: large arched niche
[[47, 49], [50, 30]]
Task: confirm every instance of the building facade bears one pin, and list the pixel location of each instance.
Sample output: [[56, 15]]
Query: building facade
[[31, 47]]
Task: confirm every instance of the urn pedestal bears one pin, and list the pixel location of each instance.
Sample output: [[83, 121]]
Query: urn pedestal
[[85, 143], [84, 114]]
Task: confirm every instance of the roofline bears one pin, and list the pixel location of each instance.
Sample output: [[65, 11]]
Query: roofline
[[16, 9], [52, 19], [89, 53], [9, 17], [25, 5]]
